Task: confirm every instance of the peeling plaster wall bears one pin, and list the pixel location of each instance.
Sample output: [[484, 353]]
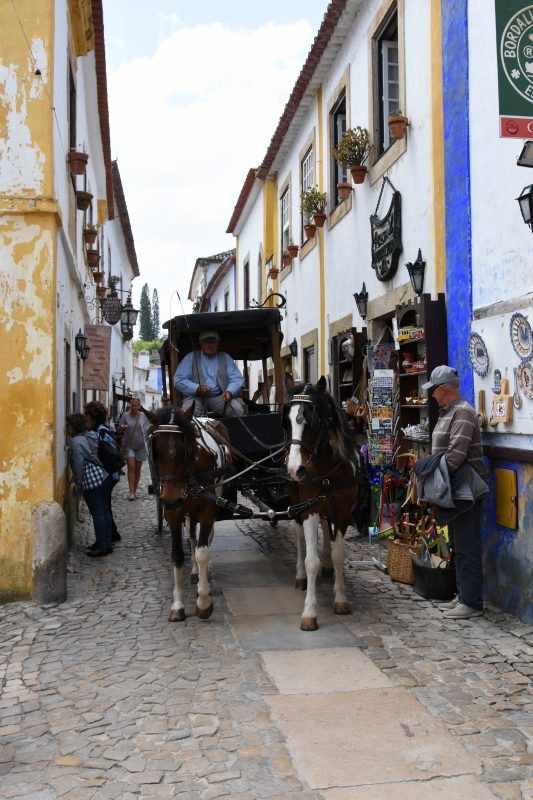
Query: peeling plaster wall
[[26, 390], [28, 225]]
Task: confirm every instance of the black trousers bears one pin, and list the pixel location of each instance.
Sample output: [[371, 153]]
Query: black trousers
[[465, 538]]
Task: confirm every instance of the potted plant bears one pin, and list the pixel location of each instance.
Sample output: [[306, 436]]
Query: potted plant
[[352, 151], [273, 273], [101, 292], [83, 200], [90, 233], [313, 204], [310, 230], [93, 257], [286, 259], [397, 123], [77, 162], [98, 276], [344, 190], [292, 249]]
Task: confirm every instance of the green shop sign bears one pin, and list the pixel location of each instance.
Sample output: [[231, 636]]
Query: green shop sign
[[514, 38]]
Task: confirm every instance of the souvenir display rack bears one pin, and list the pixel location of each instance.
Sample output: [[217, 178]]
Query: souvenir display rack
[[422, 339], [382, 408], [347, 370]]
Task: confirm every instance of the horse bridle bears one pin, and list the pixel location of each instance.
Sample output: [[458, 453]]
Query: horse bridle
[[191, 481], [322, 430]]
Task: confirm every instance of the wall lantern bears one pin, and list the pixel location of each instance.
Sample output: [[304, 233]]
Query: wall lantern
[[80, 341], [525, 159], [293, 348], [128, 314], [525, 202], [84, 352], [361, 301], [416, 273]]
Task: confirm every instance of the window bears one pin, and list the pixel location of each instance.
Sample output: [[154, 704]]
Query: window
[[339, 174], [309, 365], [307, 181], [71, 110], [246, 284], [226, 300], [284, 217], [387, 74]]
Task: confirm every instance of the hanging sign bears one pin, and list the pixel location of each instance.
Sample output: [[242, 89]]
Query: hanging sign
[[387, 239], [514, 40], [96, 368]]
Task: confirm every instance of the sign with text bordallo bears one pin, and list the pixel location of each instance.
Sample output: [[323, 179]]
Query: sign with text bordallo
[[514, 39], [96, 368]]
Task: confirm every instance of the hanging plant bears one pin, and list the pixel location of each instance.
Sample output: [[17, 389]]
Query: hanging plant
[[77, 162], [286, 259], [83, 200], [397, 124], [310, 230], [93, 258], [344, 190], [313, 201], [292, 250], [352, 151], [89, 234]]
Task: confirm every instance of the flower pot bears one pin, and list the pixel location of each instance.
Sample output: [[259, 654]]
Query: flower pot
[[319, 218], [93, 257], [89, 235], [101, 291], [273, 273], [292, 250], [397, 126], [344, 190], [407, 361], [358, 173], [83, 200], [98, 276], [286, 259], [310, 231], [77, 162]]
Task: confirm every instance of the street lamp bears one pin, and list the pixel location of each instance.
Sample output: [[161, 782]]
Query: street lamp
[[293, 348], [80, 341], [416, 273], [361, 301], [128, 314], [84, 352], [525, 201]]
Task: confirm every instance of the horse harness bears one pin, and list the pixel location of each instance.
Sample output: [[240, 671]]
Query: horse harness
[[193, 483]]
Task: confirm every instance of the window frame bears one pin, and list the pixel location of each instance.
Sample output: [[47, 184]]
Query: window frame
[[284, 219], [338, 116], [383, 157]]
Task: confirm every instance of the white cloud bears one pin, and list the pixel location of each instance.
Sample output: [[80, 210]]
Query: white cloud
[[186, 125]]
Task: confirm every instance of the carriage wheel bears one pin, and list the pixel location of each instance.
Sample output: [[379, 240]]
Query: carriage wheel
[[159, 515]]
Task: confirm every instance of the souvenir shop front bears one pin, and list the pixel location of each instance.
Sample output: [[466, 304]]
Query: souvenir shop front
[[393, 418]]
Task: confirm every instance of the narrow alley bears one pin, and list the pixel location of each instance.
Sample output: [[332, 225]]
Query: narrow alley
[[104, 698]]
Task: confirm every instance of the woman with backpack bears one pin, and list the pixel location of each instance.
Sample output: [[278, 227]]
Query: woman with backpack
[[91, 479], [96, 419]]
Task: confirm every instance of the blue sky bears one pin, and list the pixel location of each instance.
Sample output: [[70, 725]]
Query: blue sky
[[137, 32], [195, 93]]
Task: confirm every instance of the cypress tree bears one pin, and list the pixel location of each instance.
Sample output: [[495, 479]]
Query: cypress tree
[[145, 315], [156, 326]]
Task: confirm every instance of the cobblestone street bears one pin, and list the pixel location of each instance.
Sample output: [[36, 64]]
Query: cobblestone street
[[103, 697]]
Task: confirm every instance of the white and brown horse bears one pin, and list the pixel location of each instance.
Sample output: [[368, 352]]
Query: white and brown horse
[[326, 475], [190, 463]]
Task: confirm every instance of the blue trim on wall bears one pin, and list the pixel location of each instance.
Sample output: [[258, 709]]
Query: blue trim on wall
[[457, 187]]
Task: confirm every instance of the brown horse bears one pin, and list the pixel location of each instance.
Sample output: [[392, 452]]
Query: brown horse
[[188, 459], [326, 475]]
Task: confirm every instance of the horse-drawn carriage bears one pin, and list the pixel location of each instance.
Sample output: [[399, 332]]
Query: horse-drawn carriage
[[293, 462]]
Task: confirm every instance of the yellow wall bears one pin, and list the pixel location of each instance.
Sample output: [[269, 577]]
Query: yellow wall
[[270, 225], [28, 234]]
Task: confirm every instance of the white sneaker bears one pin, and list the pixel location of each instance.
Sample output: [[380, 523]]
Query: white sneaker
[[451, 604], [463, 612]]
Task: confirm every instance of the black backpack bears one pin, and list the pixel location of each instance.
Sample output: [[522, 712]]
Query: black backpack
[[109, 456]]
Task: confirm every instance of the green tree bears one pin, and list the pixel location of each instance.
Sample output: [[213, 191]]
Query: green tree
[[156, 325], [150, 346], [145, 315]]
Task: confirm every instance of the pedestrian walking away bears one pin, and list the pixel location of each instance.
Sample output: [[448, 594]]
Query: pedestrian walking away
[[210, 379], [457, 461]]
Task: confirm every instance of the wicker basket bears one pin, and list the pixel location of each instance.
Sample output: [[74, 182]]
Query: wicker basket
[[399, 562]]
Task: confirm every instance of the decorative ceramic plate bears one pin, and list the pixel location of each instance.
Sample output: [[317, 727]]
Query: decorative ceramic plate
[[525, 379], [521, 336], [477, 352]]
